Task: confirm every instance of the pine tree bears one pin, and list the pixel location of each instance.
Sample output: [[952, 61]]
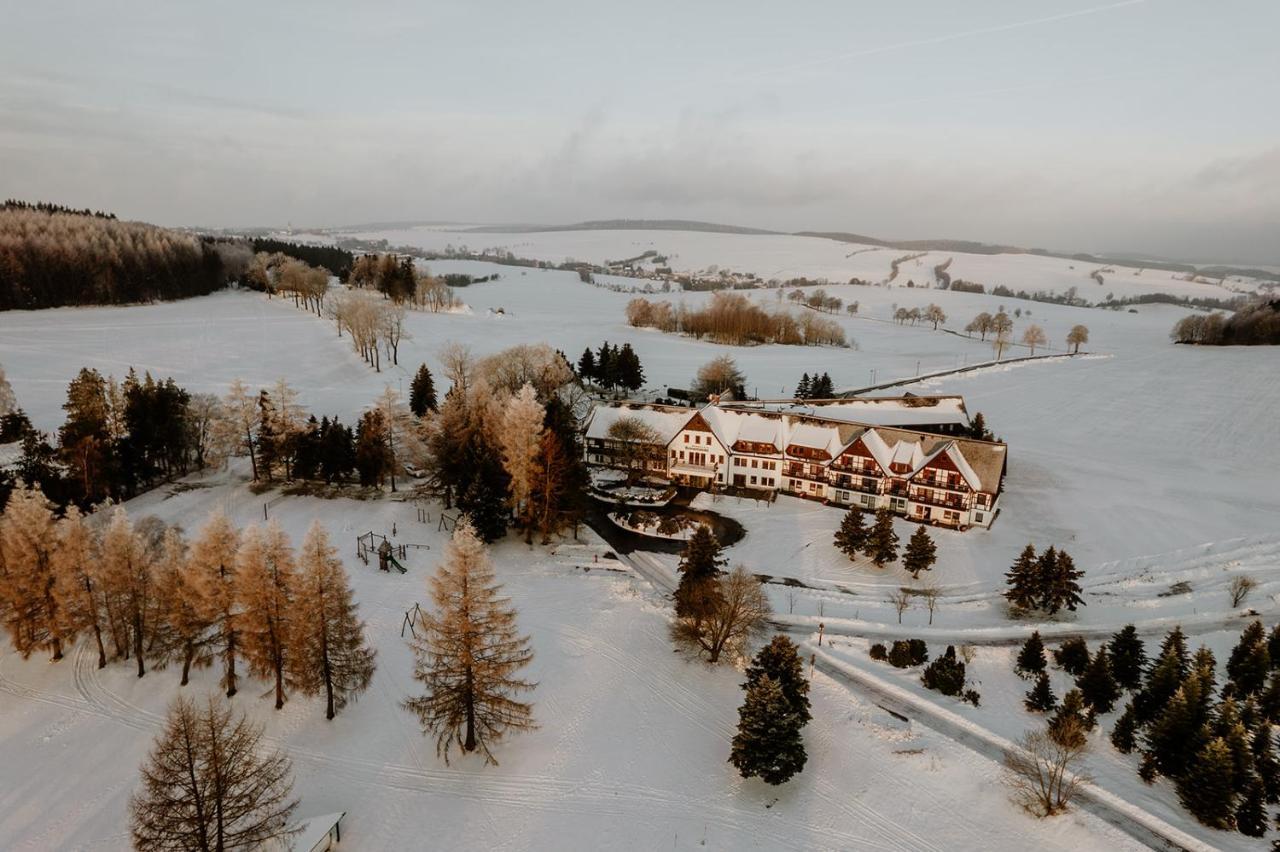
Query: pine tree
[[213, 566], [700, 564], [920, 553], [769, 743], [469, 655], [422, 392], [780, 660], [1031, 659], [127, 577], [1128, 658], [207, 784], [1097, 684], [1265, 763], [851, 537], [28, 538], [1060, 581], [1023, 578], [587, 365], [882, 540], [329, 649], [802, 389], [265, 581], [1250, 661], [77, 570], [1124, 736], [1251, 814], [1040, 698], [1207, 789]]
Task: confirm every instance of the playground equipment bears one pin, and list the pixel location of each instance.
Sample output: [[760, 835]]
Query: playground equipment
[[389, 555]]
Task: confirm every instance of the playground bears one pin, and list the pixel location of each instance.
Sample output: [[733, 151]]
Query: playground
[[389, 554]]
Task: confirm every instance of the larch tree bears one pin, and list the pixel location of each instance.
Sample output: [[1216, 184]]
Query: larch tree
[[77, 583], [1033, 336], [213, 564], [329, 653], [29, 538], [240, 415], [289, 422], [127, 576], [520, 438], [1076, 336], [549, 495], [469, 654], [265, 588], [187, 624], [208, 784]]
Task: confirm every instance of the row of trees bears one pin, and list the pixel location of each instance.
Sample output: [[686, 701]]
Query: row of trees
[[819, 387], [931, 314], [400, 280], [612, 367], [734, 319], [1251, 325], [1047, 583], [51, 257], [819, 301], [879, 542], [142, 592]]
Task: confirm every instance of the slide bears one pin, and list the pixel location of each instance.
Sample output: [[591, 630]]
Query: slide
[[398, 566]]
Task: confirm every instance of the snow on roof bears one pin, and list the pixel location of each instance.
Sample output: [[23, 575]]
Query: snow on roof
[[903, 411], [666, 420], [312, 836]]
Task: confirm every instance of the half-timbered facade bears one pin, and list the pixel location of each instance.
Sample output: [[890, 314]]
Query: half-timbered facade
[[937, 479]]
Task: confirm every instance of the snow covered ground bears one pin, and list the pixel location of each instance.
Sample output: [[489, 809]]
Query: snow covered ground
[[1151, 463]]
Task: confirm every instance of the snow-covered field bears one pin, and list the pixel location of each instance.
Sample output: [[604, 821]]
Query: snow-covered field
[[1150, 463]]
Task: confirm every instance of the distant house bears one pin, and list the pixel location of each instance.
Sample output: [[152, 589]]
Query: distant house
[[819, 451]]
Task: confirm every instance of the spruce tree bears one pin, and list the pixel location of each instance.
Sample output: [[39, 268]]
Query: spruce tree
[[802, 389], [469, 654], [1265, 763], [485, 498], [330, 653], [1180, 730], [769, 742], [422, 392], [587, 365], [1269, 702], [1207, 789], [851, 537], [1024, 581], [1128, 658], [1163, 679], [1060, 581], [882, 540], [1273, 645], [1251, 814], [920, 553], [1031, 659], [630, 371], [1250, 661], [699, 566], [1040, 698], [1097, 684], [1073, 656], [822, 387], [1124, 736], [1073, 709], [780, 660]]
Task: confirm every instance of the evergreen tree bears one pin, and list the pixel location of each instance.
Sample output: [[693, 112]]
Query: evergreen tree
[[1073, 656], [780, 660], [1097, 684], [1164, 678], [485, 499], [1023, 578], [769, 743], [1273, 645], [1207, 789], [1250, 661], [469, 655], [802, 389], [329, 649], [561, 478], [700, 564], [307, 451], [920, 553], [587, 365], [882, 540], [1251, 814], [851, 537], [422, 392], [269, 441], [1227, 726], [88, 447], [337, 452], [630, 372], [209, 784], [822, 388], [1124, 736], [372, 459], [606, 368], [1060, 581], [978, 428], [1269, 703], [1178, 733], [945, 674], [1265, 763], [1072, 709], [1128, 658], [1031, 659], [1040, 698], [265, 589]]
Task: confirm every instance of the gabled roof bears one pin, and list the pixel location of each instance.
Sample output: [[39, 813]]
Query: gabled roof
[[665, 420], [901, 411], [952, 452]]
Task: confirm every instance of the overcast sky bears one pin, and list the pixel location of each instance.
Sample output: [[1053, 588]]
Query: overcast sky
[[1146, 125]]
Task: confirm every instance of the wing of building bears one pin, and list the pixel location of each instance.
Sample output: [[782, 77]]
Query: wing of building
[[819, 451]]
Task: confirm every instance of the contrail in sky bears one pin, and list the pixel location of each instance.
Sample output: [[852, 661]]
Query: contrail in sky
[[886, 48]]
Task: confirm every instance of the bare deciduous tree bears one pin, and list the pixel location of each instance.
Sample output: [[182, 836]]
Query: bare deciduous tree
[[930, 593], [738, 614], [1240, 588], [901, 601], [207, 785], [1034, 336], [1040, 769]]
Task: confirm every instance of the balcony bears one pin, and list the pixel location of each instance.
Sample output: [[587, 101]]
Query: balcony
[[857, 484], [933, 482], [813, 474], [931, 499]]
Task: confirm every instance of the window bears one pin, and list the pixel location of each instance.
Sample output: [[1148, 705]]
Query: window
[[753, 480], [686, 437], [753, 463], [977, 517], [842, 496], [866, 500]]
